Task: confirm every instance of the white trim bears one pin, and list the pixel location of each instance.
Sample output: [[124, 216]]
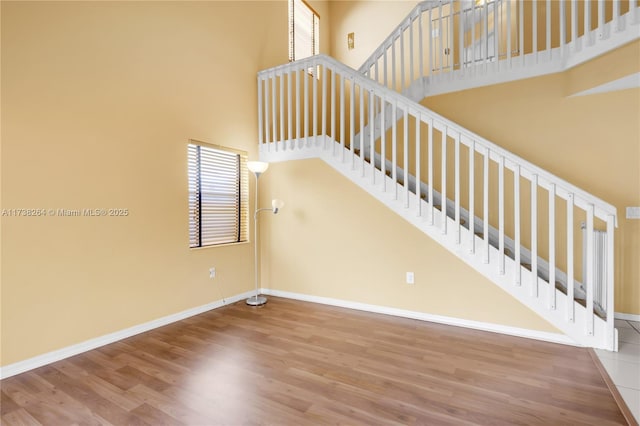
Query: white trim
[[422, 316], [629, 82], [627, 317], [59, 354]]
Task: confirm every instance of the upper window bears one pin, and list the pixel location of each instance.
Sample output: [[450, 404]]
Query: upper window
[[218, 195], [304, 30]]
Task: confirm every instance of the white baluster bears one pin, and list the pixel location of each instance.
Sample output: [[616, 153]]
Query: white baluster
[[587, 23], [352, 122], [377, 79], [402, 66], [451, 45], [611, 224], [535, 30], [516, 219], [383, 143], [570, 260], [443, 190], [405, 162], [472, 46], [440, 35], [298, 138], [485, 37], [267, 119], [430, 165], [394, 79], [496, 33], [457, 183], [574, 22], [315, 101], [590, 270], [509, 33], [333, 111], [273, 111], [552, 246], [362, 129], [601, 19], [260, 129], [289, 111], [563, 27], [342, 120], [534, 235], [394, 148], [420, 45], [325, 81], [461, 26], [501, 214], [485, 204], [281, 98], [616, 15], [472, 188], [411, 71], [418, 177], [548, 28], [521, 32], [385, 73], [372, 132], [431, 43]]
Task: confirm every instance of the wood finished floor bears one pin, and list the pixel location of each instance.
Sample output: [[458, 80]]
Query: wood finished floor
[[296, 363]]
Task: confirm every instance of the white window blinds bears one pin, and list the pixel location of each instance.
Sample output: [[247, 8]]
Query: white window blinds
[[304, 28], [218, 196]]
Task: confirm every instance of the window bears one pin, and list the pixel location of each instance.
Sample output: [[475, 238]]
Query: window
[[218, 195], [304, 30]]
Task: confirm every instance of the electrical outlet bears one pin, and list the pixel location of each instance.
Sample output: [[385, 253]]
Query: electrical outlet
[[410, 278], [212, 272]]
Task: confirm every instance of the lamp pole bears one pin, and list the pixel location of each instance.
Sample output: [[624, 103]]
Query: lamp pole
[[256, 299], [258, 167]]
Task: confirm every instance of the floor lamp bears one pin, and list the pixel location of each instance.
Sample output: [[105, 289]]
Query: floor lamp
[[257, 168]]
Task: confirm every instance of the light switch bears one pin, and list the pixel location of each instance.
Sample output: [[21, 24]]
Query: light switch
[[351, 40], [633, 212]]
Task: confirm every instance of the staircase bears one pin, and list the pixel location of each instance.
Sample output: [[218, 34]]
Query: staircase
[[502, 215]]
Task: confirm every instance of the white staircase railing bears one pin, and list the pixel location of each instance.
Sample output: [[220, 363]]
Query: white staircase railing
[[503, 215], [444, 41]]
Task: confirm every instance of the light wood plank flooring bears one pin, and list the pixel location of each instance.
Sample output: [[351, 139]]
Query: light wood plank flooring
[[296, 363]]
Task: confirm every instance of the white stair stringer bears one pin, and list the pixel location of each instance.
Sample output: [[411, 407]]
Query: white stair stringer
[[452, 236]]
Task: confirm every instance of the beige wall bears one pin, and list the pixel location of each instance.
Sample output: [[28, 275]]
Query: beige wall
[[99, 100], [371, 21]]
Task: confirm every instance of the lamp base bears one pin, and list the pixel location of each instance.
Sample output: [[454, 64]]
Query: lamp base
[[256, 300]]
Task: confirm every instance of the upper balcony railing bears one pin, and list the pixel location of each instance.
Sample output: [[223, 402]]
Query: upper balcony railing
[[438, 37]]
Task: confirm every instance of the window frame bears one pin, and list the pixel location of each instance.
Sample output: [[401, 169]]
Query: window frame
[[315, 30], [195, 209]]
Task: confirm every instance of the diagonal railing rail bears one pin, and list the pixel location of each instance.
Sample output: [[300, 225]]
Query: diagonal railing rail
[[474, 196]]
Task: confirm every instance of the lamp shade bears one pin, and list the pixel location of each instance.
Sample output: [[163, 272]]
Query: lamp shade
[[257, 167], [277, 205]]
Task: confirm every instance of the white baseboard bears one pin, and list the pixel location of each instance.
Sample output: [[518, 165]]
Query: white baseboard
[[57, 355], [627, 317], [477, 325]]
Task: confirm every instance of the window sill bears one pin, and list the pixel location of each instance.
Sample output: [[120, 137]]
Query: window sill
[[220, 245]]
